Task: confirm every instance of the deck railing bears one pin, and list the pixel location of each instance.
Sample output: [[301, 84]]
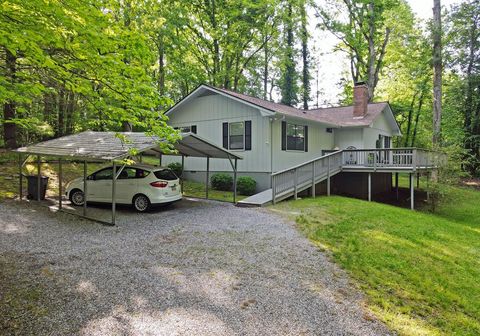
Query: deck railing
[[413, 158], [291, 181]]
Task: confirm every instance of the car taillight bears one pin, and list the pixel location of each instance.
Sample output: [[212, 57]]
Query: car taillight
[[159, 184]]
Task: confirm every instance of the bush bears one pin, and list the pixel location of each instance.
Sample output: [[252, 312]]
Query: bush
[[176, 167], [223, 182], [246, 185]]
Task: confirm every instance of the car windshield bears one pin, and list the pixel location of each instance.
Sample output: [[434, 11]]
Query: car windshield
[[165, 174]]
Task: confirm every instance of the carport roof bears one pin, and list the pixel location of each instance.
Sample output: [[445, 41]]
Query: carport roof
[[107, 146]]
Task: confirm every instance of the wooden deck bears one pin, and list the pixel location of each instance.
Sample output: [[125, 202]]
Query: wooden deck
[[291, 181]]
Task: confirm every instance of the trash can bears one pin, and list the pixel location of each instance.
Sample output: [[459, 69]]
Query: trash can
[[33, 187]]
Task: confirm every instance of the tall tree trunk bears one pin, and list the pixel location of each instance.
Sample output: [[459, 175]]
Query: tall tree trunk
[[417, 117], [161, 65], [265, 68], [69, 113], [372, 52], [62, 96], [409, 119], [305, 72], [437, 73], [288, 91], [9, 108]]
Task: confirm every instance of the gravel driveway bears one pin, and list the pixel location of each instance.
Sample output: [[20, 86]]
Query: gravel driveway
[[195, 268]]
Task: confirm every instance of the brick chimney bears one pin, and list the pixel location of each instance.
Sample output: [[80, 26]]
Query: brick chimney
[[360, 100]]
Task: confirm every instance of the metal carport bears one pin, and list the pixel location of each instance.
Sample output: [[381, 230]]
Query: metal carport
[[91, 146]]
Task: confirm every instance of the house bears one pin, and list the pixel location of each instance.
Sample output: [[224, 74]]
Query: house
[[270, 136]]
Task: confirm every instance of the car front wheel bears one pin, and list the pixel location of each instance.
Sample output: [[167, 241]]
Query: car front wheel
[[77, 197], [141, 203]]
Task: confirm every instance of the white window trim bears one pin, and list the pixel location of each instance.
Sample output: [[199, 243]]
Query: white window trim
[[286, 139], [229, 134]]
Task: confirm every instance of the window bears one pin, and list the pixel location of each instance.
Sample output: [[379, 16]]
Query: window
[[295, 137], [236, 135], [165, 174], [329, 130], [132, 173], [104, 174]]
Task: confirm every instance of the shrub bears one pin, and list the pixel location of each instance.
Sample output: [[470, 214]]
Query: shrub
[[223, 182], [176, 167], [246, 185]]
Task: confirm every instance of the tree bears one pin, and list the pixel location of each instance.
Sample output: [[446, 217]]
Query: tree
[[305, 56], [364, 35], [463, 57], [288, 82], [437, 73]]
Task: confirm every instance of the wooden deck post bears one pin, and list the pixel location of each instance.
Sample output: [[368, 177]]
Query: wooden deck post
[[396, 184], [412, 193], [369, 187]]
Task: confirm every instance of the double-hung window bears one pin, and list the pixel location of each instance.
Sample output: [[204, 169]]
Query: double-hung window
[[237, 135], [294, 137]]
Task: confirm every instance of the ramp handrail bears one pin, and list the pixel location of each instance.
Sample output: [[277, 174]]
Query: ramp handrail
[[306, 173]]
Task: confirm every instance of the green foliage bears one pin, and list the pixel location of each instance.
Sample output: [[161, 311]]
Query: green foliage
[[419, 270], [222, 182], [176, 167], [246, 185]]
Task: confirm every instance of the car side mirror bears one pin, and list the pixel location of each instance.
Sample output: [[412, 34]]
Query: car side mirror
[[91, 177]]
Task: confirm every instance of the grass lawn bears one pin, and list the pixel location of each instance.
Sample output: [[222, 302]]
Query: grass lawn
[[196, 189], [420, 271]]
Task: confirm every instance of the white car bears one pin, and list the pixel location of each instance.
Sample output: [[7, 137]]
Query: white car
[[139, 185]]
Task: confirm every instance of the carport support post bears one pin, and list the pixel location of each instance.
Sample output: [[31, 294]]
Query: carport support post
[[38, 178], [207, 177], [60, 192], [20, 176], [412, 193], [181, 175], [114, 194], [235, 182], [369, 187], [418, 180], [160, 160], [84, 187]]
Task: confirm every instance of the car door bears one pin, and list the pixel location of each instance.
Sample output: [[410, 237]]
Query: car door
[[126, 185], [100, 188]]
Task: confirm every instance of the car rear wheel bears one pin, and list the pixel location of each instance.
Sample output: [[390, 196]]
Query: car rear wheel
[[77, 197], [141, 203]]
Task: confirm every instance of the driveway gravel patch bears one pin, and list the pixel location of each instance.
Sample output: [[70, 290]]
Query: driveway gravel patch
[[197, 267]]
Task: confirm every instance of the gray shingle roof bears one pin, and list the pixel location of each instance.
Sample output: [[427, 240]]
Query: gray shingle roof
[[339, 116]]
